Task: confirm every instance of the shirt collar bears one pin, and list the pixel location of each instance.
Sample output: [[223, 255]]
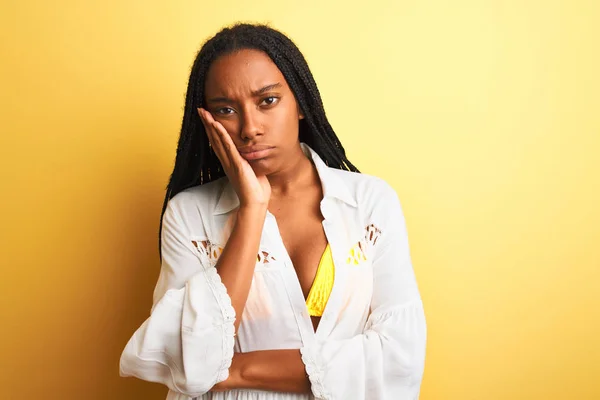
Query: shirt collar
[[332, 183]]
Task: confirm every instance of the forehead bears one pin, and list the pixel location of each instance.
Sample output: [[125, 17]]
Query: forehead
[[243, 71]]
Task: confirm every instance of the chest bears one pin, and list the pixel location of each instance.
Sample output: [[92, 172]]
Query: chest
[[301, 230], [277, 297]]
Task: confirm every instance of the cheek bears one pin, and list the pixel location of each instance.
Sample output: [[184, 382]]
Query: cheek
[[231, 125], [288, 121]]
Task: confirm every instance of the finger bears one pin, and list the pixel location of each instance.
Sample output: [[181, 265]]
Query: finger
[[225, 141], [207, 125], [216, 138], [213, 138], [228, 145]]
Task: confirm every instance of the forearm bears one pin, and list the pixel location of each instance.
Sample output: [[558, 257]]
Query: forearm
[[236, 263], [273, 370]]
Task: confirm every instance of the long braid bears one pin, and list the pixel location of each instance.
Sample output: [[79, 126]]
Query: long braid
[[195, 161]]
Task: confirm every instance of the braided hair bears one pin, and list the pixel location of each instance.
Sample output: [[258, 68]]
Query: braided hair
[[195, 162]]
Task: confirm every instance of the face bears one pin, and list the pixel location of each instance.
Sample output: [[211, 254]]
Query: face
[[248, 95]]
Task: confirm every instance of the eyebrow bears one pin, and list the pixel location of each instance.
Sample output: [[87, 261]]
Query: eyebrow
[[255, 93], [265, 89]]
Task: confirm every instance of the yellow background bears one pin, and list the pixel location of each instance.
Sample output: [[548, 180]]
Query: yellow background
[[484, 115]]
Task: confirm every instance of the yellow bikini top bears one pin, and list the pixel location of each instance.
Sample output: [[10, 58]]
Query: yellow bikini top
[[322, 285]]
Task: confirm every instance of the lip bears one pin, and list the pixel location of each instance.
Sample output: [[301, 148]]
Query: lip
[[256, 152]]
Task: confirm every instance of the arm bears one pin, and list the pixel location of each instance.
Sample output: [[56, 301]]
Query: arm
[[187, 342], [273, 370], [236, 263]]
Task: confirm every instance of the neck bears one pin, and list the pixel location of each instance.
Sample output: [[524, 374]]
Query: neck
[[299, 172]]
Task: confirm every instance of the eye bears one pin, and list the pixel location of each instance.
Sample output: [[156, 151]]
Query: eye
[[269, 101], [225, 111]]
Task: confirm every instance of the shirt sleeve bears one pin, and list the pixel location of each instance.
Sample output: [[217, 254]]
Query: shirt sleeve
[[387, 360], [187, 342]]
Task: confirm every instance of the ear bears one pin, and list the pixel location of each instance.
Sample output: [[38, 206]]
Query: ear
[[300, 114]]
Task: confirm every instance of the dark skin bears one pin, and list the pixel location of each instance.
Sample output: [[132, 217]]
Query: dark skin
[[251, 119]]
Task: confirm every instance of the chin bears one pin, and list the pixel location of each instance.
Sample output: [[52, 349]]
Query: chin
[[262, 167]]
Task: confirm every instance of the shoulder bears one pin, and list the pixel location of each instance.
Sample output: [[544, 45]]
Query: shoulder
[[367, 190], [196, 197]]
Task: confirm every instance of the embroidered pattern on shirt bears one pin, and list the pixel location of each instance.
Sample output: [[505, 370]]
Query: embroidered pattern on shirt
[[358, 252], [264, 257], [213, 251], [210, 250]]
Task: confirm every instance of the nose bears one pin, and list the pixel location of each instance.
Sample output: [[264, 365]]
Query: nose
[[251, 125]]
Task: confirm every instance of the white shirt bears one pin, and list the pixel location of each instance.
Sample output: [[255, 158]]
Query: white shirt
[[370, 342]]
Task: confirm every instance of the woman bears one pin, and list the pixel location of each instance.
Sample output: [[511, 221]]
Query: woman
[[285, 273]]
